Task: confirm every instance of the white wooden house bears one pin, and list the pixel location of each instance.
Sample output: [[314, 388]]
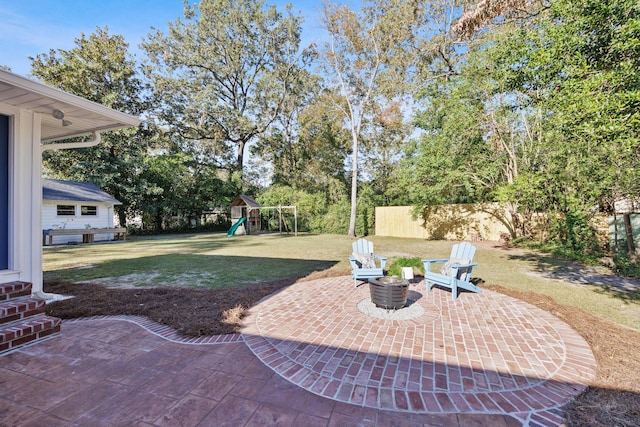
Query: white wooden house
[[33, 118], [76, 205]]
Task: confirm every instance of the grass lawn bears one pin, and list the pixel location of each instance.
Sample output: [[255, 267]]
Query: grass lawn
[[200, 284], [214, 261], [206, 261]]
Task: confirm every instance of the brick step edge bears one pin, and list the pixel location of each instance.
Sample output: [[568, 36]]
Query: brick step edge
[[20, 333], [20, 308], [14, 290]]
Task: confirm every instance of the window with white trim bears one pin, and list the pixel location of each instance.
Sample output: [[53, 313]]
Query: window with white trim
[[88, 210], [66, 210]]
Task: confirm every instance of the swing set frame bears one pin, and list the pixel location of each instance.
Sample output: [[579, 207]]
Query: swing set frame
[[280, 220]]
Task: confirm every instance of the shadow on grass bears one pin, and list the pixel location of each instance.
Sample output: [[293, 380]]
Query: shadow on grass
[[189, 270], [195, 294], [626, 289]]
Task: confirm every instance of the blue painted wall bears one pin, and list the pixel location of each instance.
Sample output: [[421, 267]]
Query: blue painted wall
[[4, 192]]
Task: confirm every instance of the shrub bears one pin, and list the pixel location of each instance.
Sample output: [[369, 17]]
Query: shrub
[[395, 269], [625, 266], [573, 237]]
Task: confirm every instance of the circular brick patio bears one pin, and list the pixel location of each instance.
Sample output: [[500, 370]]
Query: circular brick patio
[[482, 353]]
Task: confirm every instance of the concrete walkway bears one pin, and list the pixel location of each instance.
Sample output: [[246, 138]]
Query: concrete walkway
[[312, 354]]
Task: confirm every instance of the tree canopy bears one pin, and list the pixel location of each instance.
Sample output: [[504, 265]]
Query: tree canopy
[[223, 75], [527, 102], [100, 69], [543, 114]]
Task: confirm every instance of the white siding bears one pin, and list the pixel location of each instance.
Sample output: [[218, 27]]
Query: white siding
[[21, 99], [51, 220], [25, 192]]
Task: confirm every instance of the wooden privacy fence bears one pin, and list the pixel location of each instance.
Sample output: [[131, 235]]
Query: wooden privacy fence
[[624, 232], [487, 221], [445, 222]]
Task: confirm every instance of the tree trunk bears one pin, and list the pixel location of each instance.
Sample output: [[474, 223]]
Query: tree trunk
[[615, 231], [354, 196], [354, 189], [158, 221], [240, 158], [631, 247], [122, 216]]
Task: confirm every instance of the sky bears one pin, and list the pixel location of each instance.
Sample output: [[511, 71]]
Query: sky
[[32, 27]]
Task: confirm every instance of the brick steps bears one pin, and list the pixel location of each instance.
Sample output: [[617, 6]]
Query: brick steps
[[14, 290], [22, 318], [19, 309]]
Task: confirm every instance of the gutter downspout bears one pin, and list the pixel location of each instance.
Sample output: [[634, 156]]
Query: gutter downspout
[[67, 145], [95, 140]]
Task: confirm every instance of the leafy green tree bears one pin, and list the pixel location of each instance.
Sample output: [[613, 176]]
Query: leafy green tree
[[309, 169], [483, 134], [183, 188], [224, 75], [563, 99], [596, 103], [309, 152], [577, 61], [307, 144], [168, 173], [100, 69], [383, 149], [454, 160]]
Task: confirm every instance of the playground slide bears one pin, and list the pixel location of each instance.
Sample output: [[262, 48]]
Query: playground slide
[[234, 227]]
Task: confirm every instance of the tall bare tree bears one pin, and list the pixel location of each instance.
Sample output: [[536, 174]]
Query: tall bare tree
[[368, 58]]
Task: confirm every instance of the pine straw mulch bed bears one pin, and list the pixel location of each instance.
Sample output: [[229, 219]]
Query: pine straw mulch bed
[[192, 312], [612, 399]]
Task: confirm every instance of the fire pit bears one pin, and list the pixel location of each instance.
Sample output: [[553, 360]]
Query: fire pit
[[388, 292]]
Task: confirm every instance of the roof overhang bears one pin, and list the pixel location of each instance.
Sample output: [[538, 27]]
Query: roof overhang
[[78, 202], [81, 116], [246, 201]]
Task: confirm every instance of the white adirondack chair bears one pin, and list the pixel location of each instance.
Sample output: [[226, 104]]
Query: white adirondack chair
[[456, 270], [364, 262]]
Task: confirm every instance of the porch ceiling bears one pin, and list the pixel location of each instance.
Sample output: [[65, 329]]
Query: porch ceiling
[[81, 116]]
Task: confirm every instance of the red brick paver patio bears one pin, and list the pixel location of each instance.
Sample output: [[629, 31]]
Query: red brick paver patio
[[307, 356], [482, 353]]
